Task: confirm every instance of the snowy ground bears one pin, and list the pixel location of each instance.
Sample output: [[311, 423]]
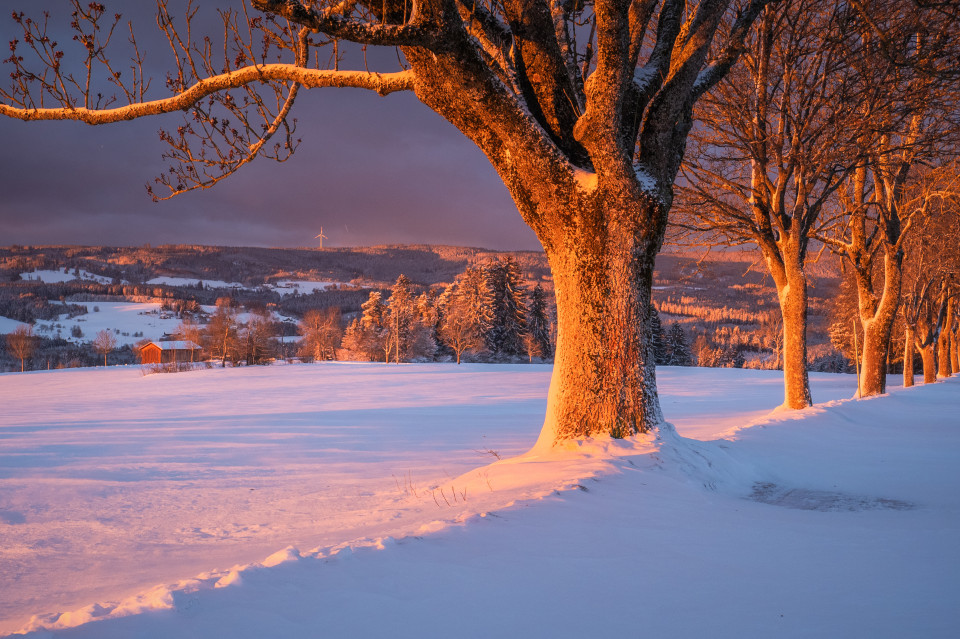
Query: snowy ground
[[283, 287], [373, 483], [67, 275], [130, 322], [133, 321], [124, 319]]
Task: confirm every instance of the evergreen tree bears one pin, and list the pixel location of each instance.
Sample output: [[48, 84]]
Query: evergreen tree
[[538, 324], [366, 336], [441, 307], [658, 340], [473, 288], [509, 324], [678, 347], [355, 342], [399, 319], [423, 343], [373, 311]]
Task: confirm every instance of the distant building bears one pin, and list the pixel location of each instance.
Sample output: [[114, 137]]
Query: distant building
[[164, 352]]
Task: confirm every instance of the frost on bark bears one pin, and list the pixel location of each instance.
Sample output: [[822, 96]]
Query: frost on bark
[[583, 108]]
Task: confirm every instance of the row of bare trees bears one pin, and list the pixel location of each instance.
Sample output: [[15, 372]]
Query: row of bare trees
[[838, 131], [228, 338], [21, 343]]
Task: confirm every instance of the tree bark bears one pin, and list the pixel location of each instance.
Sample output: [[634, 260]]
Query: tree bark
[[954, 352], [604, 379], [943, 343], [601, 231], [909, 349], [877, 316], [929, 355], [791, 282]]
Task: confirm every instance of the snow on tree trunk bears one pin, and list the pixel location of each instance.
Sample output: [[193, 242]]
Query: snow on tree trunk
[[908, 352], [604, 379]]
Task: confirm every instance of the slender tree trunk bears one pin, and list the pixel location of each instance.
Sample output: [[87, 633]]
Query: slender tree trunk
[[793, 305], [785, 262], [943, 344], [877, 318], [955, 351], [908, 352], [929, 355]]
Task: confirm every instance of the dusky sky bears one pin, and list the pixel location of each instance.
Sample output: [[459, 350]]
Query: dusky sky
[[370, 170]]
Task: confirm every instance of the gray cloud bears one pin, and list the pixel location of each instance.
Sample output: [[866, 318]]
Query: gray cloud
[[371, 170]]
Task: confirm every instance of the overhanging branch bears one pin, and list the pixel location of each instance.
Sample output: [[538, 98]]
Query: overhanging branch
[[382, 83]]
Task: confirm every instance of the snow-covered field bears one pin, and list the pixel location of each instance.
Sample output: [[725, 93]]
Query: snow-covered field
[[284, 287], [133, 321], [124, 319], [359, 500], [67, 275], [130, 322]]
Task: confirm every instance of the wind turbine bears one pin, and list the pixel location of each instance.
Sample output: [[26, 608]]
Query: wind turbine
[[321, 236]]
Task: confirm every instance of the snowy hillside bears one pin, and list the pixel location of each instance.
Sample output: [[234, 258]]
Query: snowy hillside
[[359, 500]]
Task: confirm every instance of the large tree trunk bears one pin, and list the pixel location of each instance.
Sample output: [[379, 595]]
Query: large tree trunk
[[877, 317], [604, 380], [943, 343], [909, 348]]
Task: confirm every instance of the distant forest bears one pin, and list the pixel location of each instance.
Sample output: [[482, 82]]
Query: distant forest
[[712, 311]]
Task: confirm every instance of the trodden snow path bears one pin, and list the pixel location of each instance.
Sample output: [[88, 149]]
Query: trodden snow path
[[374, 477]]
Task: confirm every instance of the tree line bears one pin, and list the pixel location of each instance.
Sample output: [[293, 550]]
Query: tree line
[[486, 314]]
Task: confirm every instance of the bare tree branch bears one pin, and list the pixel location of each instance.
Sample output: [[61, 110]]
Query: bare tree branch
[[382, 83]]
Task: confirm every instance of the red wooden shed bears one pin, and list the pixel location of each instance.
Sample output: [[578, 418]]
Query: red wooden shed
[[169, 352]]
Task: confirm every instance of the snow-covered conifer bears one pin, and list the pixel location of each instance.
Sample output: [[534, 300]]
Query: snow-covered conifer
[[538, 324], [678, 347], [509, 324]]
